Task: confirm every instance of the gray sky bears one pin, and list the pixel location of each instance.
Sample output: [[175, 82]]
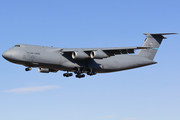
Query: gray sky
[[148, 93]]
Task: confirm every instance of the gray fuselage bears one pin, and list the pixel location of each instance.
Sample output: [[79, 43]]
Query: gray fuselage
[[53, 58]]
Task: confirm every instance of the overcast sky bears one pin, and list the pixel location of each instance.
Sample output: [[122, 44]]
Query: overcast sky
[[148, 93]]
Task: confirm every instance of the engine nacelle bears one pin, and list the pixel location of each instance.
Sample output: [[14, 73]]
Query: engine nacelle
[[79, 55], [46, 70], [98, 55]]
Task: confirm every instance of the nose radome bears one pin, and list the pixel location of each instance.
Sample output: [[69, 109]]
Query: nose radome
[[6, 54]]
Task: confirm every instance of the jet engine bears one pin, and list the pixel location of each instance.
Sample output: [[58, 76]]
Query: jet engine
[[46, 70], [79, 55], [98, 55]]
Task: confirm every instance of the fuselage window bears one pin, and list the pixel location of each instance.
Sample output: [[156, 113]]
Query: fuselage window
[[17, 45]]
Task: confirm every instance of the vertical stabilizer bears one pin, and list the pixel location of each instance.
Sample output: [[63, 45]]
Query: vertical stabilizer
[[154, 41]]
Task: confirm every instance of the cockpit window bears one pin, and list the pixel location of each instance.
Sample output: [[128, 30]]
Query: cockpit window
[[17, 46]]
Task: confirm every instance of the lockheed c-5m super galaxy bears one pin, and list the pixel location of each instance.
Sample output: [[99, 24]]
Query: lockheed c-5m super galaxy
[[85, 60]]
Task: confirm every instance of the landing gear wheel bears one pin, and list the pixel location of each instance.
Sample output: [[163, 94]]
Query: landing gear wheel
[[70, 74], [80, 76], [83, 75], [67, 74], [27, 69], [79, 73], [77, 76]]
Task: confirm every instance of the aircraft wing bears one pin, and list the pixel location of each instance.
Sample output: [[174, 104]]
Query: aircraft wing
[[99, 53], [110, 49]]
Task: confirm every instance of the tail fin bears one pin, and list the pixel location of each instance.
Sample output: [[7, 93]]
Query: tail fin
[[154, 41]]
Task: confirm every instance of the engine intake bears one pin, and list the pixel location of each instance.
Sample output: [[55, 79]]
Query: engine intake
[[79, 55], [98, 55]]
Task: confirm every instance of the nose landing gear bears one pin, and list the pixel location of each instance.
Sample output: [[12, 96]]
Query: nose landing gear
[[28, 69]]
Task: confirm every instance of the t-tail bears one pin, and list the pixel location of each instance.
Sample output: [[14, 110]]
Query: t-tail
[[154, 41]]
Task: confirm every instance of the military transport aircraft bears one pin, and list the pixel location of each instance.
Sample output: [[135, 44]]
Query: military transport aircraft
[[85, 60]]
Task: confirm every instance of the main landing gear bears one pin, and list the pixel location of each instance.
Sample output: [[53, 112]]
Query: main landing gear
[[79, 73], [67, 74], [91, 72], [28, 69]]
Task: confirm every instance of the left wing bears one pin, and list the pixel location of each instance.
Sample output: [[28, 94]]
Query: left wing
[[99, 53]]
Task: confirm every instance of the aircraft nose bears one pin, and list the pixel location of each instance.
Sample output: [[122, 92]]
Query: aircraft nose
[[6, 54]]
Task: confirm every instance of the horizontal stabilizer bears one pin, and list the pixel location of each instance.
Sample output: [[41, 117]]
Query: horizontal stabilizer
[[159, 33]]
